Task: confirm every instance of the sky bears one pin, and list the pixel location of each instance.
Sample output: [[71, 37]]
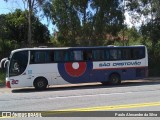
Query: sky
[[11, 5]]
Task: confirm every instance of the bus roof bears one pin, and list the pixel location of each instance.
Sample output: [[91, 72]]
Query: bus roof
[[64, 48]]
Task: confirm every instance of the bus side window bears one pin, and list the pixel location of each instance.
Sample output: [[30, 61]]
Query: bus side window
[[84, 55], [126, 53], [106, 54], [32, 58], [115, 54], [40, 57], [138, 53], [141, 53], [51, 56], [66, 55], [98, 54], [61, 56], [76, 55], [87, 55], [119, 54], [58, 57]]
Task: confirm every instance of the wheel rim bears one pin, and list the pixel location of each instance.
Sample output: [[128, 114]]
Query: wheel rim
[[115, 80], [40, 84]]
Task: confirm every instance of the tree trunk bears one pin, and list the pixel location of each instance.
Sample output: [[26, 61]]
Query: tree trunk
[[29, 23], [29, 30]]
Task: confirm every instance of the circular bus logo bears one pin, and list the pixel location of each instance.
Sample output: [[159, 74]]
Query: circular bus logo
[[75, 69], [75, 72]]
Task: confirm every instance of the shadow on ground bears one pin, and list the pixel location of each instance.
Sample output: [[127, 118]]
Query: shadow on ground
[[89, 86]]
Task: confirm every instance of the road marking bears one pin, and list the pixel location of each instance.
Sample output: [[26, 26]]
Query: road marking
[[95, 95], [86, 95], [99, 108], [5, 117], [114, 107]]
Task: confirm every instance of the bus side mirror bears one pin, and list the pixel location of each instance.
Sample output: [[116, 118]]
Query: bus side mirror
[[6, 63], [3, 63]]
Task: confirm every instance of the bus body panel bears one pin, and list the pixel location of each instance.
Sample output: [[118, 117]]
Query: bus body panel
[[97, 74], [80, 71]]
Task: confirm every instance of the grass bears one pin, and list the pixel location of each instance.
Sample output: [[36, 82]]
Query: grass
[[2, 78]]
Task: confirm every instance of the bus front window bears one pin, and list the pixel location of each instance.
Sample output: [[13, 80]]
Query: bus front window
[[18, 63]]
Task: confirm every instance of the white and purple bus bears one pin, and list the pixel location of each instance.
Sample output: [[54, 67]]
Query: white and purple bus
[[41, 67]]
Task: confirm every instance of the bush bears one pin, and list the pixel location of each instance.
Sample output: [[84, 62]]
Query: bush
[[2, 78]]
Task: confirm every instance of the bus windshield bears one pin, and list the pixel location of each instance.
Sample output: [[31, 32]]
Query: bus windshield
[[18, 63]]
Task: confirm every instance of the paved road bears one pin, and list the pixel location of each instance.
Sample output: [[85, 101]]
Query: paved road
[[130, 96]]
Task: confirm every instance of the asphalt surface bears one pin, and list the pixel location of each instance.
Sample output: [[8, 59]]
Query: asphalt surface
[[139, 95]]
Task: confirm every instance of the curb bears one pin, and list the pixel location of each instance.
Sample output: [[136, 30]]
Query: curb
[[152, 78]]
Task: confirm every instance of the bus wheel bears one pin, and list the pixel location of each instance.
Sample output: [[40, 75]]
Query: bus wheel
[[40, 83], [104, 83], [114, 79]]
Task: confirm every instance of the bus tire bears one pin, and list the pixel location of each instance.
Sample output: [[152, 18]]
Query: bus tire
[[104, 83], [40, 83], [114, 79]]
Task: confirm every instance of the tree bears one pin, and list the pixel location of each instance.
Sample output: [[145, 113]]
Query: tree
[[85, 22], [63, 14], [148, 12], [108, 18], [31, 7], [32, 4], [15, 26]]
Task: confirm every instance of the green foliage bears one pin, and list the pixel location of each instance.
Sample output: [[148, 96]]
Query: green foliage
[[55, 42], [40, 33], [86, 22], [15, 25], [13, 32], [2, 78], [149, 30], [33, 6], [66, 19]]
